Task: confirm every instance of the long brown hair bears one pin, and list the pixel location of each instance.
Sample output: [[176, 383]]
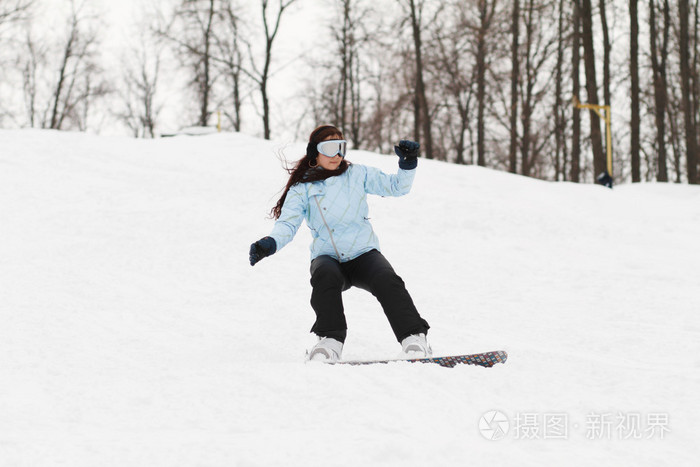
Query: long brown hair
[[306, 169]]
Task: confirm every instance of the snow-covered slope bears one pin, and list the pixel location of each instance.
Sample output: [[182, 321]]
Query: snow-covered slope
[[133, 331]]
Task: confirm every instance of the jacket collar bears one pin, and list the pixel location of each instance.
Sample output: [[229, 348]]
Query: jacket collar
[[316, 188]]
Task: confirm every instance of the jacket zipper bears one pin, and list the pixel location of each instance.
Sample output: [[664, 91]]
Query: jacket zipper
[[330, 233]]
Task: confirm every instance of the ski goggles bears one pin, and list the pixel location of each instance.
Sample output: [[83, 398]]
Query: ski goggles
[[332, 148]]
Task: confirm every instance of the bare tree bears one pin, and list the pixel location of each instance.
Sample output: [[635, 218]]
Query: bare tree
[[13, 10], [599, 160], [230, 59], [261, 75], [422, 118], [191, 31], [607, 47], [342, 72], [634, 98], [659, 53], [141, 69], [389, 85], [675, 128], [454, 75], [559, 108], [349, 37], [576, 89], [74, 88], [514, 80], [536, 54], [486, 13], [29, 62], [686, 80], [695, 75]]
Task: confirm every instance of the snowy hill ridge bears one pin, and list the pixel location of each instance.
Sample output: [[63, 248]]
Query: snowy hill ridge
[[134, 331]]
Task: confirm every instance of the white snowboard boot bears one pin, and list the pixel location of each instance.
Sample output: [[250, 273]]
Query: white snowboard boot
[[327, 350], [415, 346]]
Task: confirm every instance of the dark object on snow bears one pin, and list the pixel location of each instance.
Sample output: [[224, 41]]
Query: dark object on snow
[[605, 179]]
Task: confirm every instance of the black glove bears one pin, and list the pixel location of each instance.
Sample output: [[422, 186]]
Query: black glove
[[264, 247], [408, 154]]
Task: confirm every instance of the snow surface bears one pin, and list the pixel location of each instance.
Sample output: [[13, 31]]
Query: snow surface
[[134, 332]]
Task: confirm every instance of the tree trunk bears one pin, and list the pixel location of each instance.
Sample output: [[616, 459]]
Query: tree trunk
[[56, 112], [262, 80], [514, 78], [559, 121], [606, 61], [576, 89], [347, 105], [695, 76], [599, 160], [355, 100], [686, 78], [485, 17], [634, 77], [676, 137], [421, 98], [205, 84], [660, 86], [263, 93], [228, 40], [345, 63], [30, 75], [526, 116]]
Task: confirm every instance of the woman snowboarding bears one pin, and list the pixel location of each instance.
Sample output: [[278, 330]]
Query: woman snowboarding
[[330, 193]]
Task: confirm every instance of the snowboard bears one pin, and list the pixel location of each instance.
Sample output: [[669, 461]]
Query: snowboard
[[486, 359]]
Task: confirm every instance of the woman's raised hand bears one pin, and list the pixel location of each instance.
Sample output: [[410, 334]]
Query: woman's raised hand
[[408, 154]]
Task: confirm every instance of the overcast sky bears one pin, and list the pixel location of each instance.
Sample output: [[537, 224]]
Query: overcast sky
[[299, 31]]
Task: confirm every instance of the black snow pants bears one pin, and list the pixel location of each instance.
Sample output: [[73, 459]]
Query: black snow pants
[[372, 272]]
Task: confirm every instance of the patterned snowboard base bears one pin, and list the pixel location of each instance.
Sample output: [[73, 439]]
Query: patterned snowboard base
[[486, 359]]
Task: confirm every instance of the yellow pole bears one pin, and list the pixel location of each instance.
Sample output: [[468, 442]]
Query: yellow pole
[[608, 138], [608, 133], [218, 121]]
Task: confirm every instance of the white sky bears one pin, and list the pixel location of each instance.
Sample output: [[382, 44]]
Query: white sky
[[300, 25]]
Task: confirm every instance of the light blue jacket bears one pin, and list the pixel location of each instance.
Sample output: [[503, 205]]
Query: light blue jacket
[[336, 211]]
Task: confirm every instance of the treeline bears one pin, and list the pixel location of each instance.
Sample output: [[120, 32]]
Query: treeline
[[487, 82]]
